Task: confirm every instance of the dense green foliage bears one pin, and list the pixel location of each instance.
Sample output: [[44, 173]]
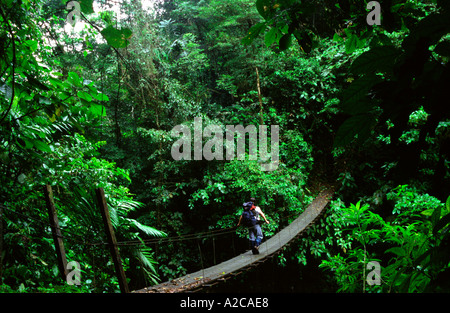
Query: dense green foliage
[[359, 107]]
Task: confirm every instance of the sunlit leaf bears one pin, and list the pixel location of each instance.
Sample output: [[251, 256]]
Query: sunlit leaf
[[87, 6], [271, 36], [254, 31], [117, 38], [97, 110], [74, 79], [84, 95], [41, 145]]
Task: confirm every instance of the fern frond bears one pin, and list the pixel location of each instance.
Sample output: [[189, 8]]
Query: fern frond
[[148, 230]]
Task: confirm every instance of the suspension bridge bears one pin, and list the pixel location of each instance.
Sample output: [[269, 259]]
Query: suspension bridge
[[195, 281], [215, 274]]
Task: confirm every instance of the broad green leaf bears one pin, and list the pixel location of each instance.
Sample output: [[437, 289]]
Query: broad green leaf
[[428, 212], [435, 216], [285, 41], [447, 205], [351, 44], [356, 93], [358, 125], [28, 144], [101, 97], [35, 82], [32, 44], [56, 82], [263, 7], [74, 79], [432, 27], [41, 145], [337, 38], [97, 110], [63, 96], [377, 59], [84, 95], [254, 31], [87, 6], [399, 251], [271, 36], [117, 38], [356, 107], [444, 221], [147, 229]]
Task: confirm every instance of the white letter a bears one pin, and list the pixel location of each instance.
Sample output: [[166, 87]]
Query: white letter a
[[183, 143], [374, 17]]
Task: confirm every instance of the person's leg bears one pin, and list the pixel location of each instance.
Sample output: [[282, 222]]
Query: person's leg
[[259, 235], [253, 238]]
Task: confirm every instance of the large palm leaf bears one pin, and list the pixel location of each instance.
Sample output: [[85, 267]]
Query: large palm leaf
[[83, 209]]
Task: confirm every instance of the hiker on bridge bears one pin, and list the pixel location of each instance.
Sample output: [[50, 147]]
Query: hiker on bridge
[[258, 212], [251, 218]]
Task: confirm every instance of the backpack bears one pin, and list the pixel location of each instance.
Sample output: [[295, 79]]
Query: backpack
[[248, 218]]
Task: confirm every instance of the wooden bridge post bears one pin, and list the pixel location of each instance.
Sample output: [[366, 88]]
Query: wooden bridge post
[[56, 232], [112, 242]]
